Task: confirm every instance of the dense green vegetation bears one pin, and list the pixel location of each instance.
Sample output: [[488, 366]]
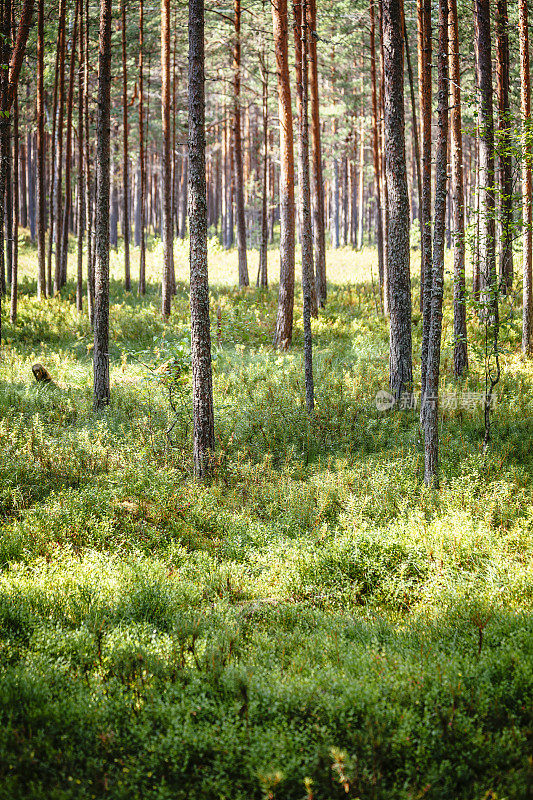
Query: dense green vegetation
[[311, 624]]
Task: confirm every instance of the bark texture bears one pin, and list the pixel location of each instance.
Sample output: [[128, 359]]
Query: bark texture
[[398, 269], [203, 416], [101, 276], [283, 334], [431, 394], [460, 351]]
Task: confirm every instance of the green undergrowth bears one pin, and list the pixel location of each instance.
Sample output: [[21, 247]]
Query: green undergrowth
[[312, 623]]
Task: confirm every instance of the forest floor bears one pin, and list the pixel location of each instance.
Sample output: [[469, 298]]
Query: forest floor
[[313, 623]]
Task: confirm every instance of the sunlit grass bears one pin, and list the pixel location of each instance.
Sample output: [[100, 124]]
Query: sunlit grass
[[313, 612]]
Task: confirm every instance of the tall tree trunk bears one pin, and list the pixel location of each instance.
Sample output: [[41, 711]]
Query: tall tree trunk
[[525, 105], [416, 143], [113, 198], [262, 273], [5, 23], [14, 264], [375, 147], [203, 417], [237, 151], [304, 191], [58, 169], [431, 394], [487, 244], [424, 83], [142, 158], [505, 145], [300, 24], [399, 281], [21, 181], [63, 255], [81, 176], [283, 334], [384, 173], [460, 352], [167, 227], [319, 231], [101, 277], [125, 155], [88, 182], [30, 167], [361, 191], [41, 196]]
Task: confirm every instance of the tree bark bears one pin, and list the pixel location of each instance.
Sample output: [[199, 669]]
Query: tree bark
[[375, 148], [319, 231], [487, 227], [14, 265], [142, 158], [399, 281], [301, 39], [505, 158], [81, 176], [203, 416], [101, 282], [262, 273], [237, 149], [68, 154], [41, 168], [167, 227], [283, 334], [88, 182], [431, 394], [125, 155], [424, 83], [525, 105], [460, 352], [58, 167]]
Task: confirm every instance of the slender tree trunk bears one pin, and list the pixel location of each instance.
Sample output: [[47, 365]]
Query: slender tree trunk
[[14, 265], [460, 353], [58, 179], [401, 368], [30, 168], [283, 335], [237, 151], [431, 394], [203, 417], [41, 196], [142, 157], [361, 176], [262, 274], [5, 23], [300, 17], [88, 182], [525, 105], [319, 232], [384, 173], [125, 158], [416, 143], [81, 177], [505, 146], [101, 282], [487, 244], [168, 231], [21, 181], [113, 198], [375, 148], [68, 155], [424, 83]]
